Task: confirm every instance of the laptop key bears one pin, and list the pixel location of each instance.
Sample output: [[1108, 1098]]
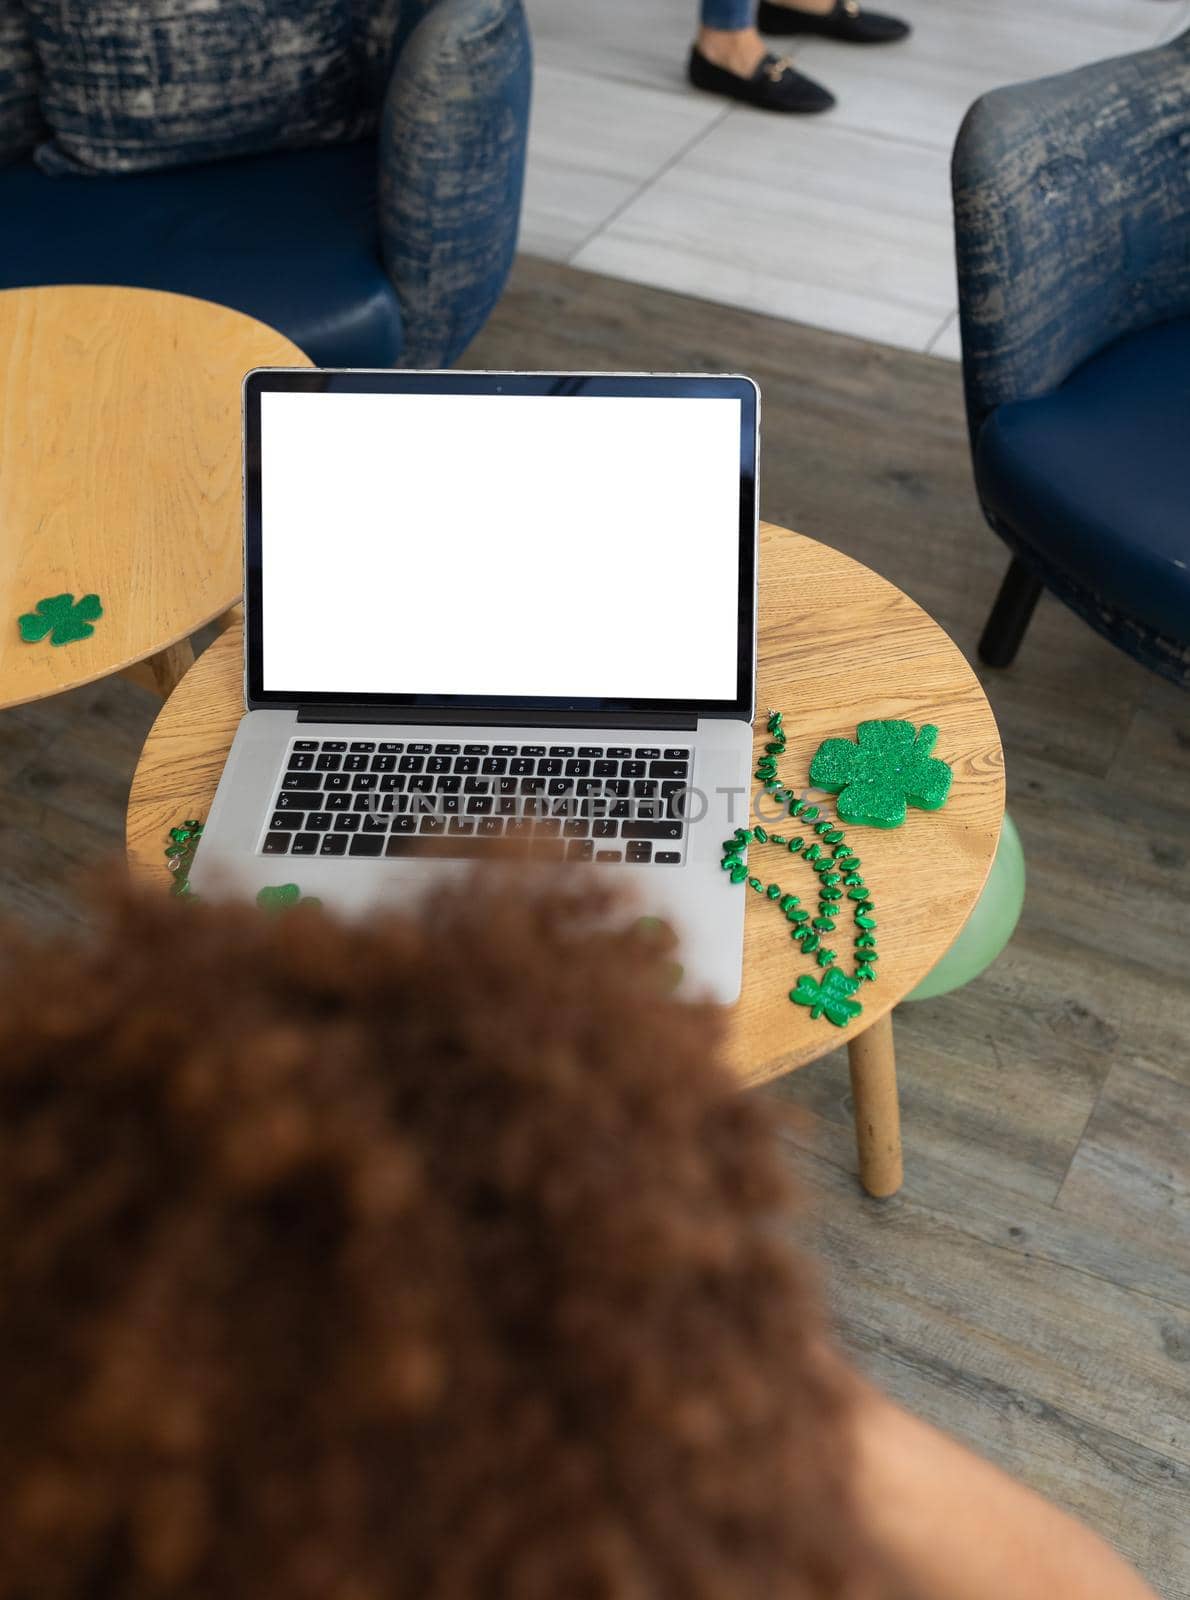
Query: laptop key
[[632, 769], [639, 850], [466, 763], [479, 805], [438, 764], [452, 805], [383, 763], [668, 769], [447, 749], [335, 744], [604, 828], [494, 766], [334, 844], [605, 769], [363, 781], [305, 744], [291, 802], [590, 750], [328, 763], [668, 858], [336, 802], [475, 749], [579, 850], [559, 786], [448, 785], [301, 780], [366, 844], [276, 844], [504, 749], [355, 763], [532, 785], [619, 751], [506, 805], [392, 783], [389, 748], [305, 844], [319, 821], [366, 745], [347, 822], [374, 824], [532, 749], [651, 830], [336, 782], [461, 825], [300, 763], [432, 824], [403, 824], [421, 783], [420, 749], [520, 766], [490, 827], [608, 855], [288, 821], [561, 749], [677, 755], [576, 828], [578, 769], [549, 768], [647, 754], [411, 763]]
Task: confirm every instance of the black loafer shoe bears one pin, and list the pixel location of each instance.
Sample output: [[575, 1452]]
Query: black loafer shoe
[[774, 86], [846, 21]]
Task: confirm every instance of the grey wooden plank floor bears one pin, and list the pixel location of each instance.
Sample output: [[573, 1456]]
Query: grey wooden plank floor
[[1030, 1287]]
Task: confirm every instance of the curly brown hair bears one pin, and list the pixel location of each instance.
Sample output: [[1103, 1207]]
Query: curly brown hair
[[429, 1259]]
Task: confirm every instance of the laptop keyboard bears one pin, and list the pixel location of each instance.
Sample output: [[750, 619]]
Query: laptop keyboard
[[380, 798]]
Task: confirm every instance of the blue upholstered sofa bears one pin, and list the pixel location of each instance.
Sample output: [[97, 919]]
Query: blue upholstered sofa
[[1072, 226], [388, 251]]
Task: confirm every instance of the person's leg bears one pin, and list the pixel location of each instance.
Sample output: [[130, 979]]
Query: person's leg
[[730, 58]]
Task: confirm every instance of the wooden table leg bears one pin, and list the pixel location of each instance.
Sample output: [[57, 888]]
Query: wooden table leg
[[168, 665], [873, 1063]]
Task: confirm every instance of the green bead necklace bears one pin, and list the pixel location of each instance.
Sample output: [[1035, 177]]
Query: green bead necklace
[[825, 847]]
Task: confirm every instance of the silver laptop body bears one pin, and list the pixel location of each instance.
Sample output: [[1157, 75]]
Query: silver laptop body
[[494, 614]]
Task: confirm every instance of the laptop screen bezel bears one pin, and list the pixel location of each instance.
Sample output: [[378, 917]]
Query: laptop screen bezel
[[456, 706]]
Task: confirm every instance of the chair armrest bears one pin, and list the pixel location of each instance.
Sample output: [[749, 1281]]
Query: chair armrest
[[452, 164], [1072, 219]]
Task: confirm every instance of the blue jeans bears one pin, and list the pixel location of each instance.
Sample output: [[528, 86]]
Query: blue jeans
[[726, 13]]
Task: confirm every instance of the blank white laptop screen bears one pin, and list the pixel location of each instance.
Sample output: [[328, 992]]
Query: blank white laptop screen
[[570, 546]]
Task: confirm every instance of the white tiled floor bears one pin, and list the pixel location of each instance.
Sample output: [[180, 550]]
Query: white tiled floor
[[841, 221]]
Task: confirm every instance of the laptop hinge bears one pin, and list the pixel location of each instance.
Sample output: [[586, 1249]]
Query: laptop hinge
[[509, 718]]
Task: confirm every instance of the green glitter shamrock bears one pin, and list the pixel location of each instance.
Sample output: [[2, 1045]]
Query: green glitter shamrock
[[284, 894], [885, 771], [62, 617], [829, 995]]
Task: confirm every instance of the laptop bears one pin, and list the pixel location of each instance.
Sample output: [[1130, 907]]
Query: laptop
[[493, 613]]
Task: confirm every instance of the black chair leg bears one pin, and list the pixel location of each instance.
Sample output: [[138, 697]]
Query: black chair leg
[[1010, 616]]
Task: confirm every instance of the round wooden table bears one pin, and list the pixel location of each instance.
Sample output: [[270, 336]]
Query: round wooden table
[[120, 474], [838, 646]]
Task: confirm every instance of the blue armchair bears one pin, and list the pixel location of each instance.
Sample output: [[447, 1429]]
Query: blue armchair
[[387, 252], [1072, 227]]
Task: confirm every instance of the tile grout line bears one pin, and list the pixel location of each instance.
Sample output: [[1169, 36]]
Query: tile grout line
[[666, 166], [951, 316]]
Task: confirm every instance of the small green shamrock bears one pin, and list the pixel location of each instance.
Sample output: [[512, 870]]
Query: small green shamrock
[[284, 894], [829, 995], [62, 617], [884, 772]]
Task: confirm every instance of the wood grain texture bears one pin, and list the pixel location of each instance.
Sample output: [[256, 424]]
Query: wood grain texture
[[831, 665], [119, 470]]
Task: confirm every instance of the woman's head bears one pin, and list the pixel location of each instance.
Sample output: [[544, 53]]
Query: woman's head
[[430, 1258]]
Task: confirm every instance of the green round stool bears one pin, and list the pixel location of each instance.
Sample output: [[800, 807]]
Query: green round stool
[[991, 924]]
